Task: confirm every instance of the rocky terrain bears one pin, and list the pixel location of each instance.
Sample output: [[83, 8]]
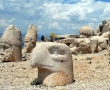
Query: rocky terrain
[[91, 72]]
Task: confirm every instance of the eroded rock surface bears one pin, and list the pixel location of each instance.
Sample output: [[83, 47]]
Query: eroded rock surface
[[30, 40], [54, 62], [11, 44]]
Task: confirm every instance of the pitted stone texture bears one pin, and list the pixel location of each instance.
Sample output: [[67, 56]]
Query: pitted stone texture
[[101, 41], [94, 45], [82, 45], [106, 34], [86, 31], [67, 41], [54, 62], [74, 50], [30, 38], [11, 44]]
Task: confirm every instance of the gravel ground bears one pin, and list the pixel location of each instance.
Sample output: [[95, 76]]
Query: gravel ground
[[91, 72]]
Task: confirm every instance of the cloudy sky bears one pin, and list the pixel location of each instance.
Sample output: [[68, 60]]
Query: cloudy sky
[[58, 16]]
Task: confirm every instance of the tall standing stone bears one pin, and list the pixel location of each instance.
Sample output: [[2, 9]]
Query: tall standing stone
[[30, 40], [11, 44]]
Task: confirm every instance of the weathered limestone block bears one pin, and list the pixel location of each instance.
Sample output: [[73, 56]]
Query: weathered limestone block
[[106, 34], [86, 31], [67, 41], [74, 50], [94, 46], [89, 45], [64, 36], [11, 44], [82, 45], [82, 36], [101, 41], [54, 63]]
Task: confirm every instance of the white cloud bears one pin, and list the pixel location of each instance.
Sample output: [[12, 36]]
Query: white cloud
[[1, 6], [55, 26], [11, 20], [63, 11], [28, 5], [106, 12], [56, 14], [74, 27], [39, 27], [3, 23]]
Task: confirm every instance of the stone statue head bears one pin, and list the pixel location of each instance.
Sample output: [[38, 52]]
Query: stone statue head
[[54, 63], [11, 44], [86, 31], [104, 27], [30, 38], [104, 22]]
